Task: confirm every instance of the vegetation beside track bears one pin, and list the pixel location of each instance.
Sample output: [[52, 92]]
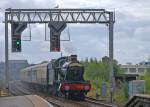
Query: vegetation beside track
[[146, 77], [98, 73]]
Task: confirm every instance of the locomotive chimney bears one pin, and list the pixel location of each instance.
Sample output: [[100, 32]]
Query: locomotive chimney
[[73, 58]]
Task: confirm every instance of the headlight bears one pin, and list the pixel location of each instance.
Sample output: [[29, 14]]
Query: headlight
[[86, 87], [67, 88]]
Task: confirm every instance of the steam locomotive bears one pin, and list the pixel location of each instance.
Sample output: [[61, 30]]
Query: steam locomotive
[[61, 77]]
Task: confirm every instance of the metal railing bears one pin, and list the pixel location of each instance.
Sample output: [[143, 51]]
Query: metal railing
[[139, 100]]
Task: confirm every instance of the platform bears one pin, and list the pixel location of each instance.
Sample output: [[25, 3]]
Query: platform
[[24, 101]]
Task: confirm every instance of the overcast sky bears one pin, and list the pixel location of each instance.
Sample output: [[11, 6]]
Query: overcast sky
[[131, 33]]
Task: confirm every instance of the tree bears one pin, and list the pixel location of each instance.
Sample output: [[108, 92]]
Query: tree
[[91, 60], [86, 60]]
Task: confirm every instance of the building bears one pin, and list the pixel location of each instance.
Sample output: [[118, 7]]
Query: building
[[14, 67], [145, 63], [139, 69]]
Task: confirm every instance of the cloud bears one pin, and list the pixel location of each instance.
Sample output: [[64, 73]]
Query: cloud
[[27, 4], [69, 48], [143, 33], [131, 33]]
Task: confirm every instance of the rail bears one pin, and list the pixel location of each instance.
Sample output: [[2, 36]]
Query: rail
[[98, 102], [55, 104]]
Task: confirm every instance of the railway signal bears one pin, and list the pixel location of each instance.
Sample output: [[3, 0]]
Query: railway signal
[[55, 31], [17, 29], [55, 43]]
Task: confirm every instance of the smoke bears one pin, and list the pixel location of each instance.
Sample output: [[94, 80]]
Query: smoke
[[69, 48]]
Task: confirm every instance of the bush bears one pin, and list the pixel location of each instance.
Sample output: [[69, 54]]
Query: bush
[[147, 82], [98, 72]]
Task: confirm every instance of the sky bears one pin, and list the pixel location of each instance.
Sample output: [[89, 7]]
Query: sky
[[131, 32]]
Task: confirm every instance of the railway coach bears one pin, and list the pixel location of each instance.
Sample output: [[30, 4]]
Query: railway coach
[[61, 77]]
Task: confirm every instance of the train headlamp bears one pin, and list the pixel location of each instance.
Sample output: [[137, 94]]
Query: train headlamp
[[86, 87], [67, 88]]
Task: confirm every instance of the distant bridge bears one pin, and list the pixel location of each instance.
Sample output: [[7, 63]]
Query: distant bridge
[[134, 69]]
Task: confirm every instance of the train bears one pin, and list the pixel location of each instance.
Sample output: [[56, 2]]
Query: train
[[61, 77]]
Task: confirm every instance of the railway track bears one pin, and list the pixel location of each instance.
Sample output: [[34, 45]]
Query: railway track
[[86, 103], [97, 102], [92, 103], [64, 102], [19, 89], [14, 91], [90, 98], [55, 104]]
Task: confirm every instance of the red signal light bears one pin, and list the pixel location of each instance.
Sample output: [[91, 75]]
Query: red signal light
[[56, 49]]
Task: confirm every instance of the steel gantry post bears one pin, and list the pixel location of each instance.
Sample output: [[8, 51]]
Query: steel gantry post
[[111, 79], [6, 53]]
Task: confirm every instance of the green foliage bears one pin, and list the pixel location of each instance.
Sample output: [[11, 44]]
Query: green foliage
[[98, 72], [117, 69], [146, 77], [148, 71], [120, 96]]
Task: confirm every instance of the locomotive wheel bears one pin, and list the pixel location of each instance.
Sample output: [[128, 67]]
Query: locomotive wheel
[[59, 94], [75, 96], [79, 96], [69, 96]]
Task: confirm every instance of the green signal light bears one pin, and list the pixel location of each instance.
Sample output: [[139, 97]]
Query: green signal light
[[18, 42]]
